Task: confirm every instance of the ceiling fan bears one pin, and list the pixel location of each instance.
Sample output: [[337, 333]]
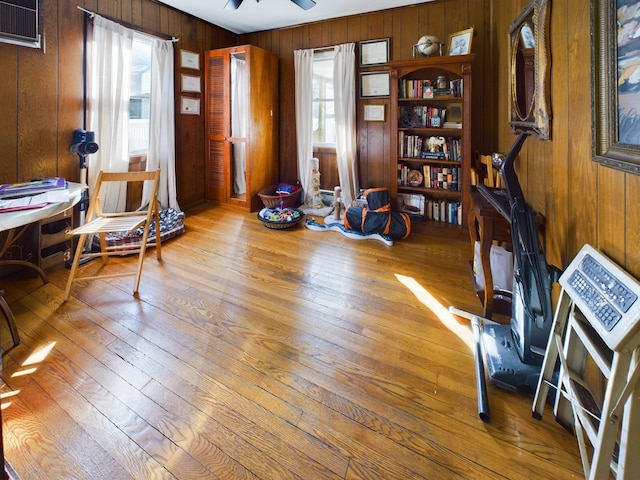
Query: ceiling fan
[[304, 4]]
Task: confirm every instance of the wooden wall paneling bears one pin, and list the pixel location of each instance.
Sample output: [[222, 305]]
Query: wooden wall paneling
[[288, 147], [108, 8], [9, 117], [396, 45], [611, 211], [557, 165], [456, 17], [483, 112], [353, 28], [37, 103], [340, 33], [190, 144], [130, 11], [504, 12], [582, 170], [149, 16], [70, 85], [375, 23], [631, 214], [432, 24], [405, 33]]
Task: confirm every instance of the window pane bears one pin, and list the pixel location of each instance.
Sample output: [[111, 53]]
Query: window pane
[[323, 106], [139, 101]]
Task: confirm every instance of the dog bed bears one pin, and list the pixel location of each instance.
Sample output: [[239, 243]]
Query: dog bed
[[171, 225]]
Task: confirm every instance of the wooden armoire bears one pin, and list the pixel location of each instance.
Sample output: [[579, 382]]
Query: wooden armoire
[[241, 124]]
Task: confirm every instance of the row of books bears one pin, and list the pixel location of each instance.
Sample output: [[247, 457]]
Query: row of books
[[434, 177], [424, 116], [439, 210], [423, 88], [417, 146]]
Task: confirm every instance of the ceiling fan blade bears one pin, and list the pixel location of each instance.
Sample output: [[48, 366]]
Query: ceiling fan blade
[[232, 4], [304, 4]]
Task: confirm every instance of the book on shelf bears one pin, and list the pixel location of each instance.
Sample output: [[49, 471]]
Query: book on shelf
[[457, 87], [416, 146], [446, 211], [452, 125], [441, 178], [35, 187]]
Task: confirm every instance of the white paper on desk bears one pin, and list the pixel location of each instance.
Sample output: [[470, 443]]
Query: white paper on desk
[[54, 196]]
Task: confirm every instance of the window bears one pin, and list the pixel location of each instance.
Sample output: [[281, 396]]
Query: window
[[20, 22], [140, 94], [324, 126]]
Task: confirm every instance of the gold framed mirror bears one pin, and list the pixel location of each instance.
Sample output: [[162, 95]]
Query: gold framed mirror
[[529, 105]]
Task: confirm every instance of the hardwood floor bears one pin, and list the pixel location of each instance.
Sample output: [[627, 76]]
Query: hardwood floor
[[259, 354]]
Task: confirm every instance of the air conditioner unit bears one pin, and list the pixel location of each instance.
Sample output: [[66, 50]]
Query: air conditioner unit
[[20, 23]]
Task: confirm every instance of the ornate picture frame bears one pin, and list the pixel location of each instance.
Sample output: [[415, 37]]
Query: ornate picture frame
[[614, 53]]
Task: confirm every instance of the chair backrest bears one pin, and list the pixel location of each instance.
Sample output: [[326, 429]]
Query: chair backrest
[[104, 177]]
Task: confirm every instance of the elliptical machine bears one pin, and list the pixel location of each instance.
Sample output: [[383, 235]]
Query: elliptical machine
[[514, 352]]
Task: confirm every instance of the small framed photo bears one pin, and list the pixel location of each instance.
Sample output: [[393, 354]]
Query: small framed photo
[[190, 83], [460, 42], [374, 113], [374, 52], [374, 84], [189, 60], [190, 106]]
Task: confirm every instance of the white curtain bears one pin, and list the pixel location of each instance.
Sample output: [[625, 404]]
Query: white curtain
[[344, 90], [303, 63], [239, 110], [108, 80], [344, 86], [161, 152]]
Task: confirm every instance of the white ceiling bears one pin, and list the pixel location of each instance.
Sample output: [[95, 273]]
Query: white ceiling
[[259, 15]]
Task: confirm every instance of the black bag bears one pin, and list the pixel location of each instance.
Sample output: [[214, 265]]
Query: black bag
[[377, 217]]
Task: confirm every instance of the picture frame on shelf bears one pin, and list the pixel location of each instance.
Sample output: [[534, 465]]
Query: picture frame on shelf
[[375, 84], [374, 113], [189, 60], [374, 52], [616, 142], [460, 42]]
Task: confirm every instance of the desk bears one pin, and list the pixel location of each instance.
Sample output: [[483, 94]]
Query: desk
[[15, 224], [486, 224]]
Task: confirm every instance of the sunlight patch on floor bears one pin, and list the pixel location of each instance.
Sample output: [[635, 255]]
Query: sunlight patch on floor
[[461, 331], [39, 355]]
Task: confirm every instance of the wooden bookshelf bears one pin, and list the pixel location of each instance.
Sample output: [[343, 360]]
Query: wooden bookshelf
[[418, 112]]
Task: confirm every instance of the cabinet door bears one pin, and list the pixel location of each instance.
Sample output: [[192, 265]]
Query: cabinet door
[[217, 112]]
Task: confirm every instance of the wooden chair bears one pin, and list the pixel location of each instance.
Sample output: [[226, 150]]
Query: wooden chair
[[494, 177], [100, 223]]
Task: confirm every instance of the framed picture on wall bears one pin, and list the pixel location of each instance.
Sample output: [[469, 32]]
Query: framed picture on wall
[[374, 113], [190, 106], [190, 83], [615, 67], [374, 52], [189, 60], [374, 84]]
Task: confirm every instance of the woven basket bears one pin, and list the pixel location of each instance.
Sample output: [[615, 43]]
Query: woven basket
[[281, 225], [271, 199]]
